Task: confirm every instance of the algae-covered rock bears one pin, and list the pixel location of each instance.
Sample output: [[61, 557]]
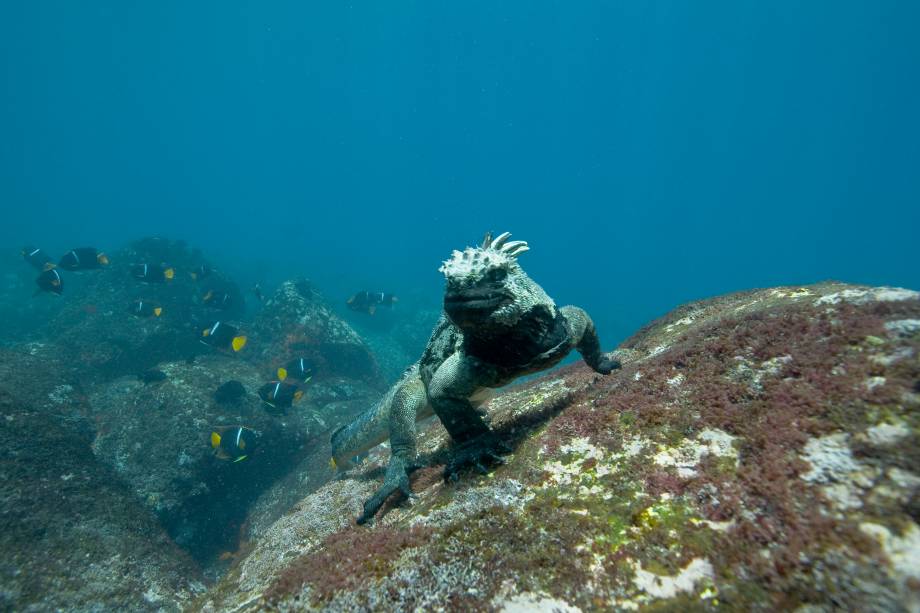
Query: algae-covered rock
[[309, 471], [756, 451], [296, 322], [156, 437], [73, 536]]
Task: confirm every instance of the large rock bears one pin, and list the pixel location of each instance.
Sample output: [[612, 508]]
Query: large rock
[[296, 322], [756, 451], [313, 468], [397, 337], [73, 536], [156, 437], [96, 335]]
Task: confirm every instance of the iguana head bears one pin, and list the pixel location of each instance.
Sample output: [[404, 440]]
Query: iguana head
[[487, 288]]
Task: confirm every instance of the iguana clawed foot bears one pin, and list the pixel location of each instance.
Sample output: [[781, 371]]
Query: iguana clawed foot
[[481, 454], [396, 478], [608, 364]]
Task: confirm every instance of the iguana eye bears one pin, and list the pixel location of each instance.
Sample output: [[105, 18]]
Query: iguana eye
[[497, 274]]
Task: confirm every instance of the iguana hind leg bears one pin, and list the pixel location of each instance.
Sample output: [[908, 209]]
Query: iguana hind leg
[[408, 402]]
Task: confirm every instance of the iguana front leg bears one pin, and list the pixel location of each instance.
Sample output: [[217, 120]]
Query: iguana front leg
[[586, 341], [449, 392], [408, 401]]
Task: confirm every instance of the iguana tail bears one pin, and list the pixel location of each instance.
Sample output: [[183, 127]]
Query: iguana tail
[[368, 429]]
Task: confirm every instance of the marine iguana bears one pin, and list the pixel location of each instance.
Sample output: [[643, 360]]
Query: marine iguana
[[497, 325]]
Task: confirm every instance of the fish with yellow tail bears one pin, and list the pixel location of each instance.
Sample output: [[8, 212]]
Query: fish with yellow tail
[[232, 443], [217, 300], [149, 273], [222, 335], [50, 281], [367, 302], [144, 308], [299, 370], [201, 272], [278, 396], [83, 258], [37, 257]]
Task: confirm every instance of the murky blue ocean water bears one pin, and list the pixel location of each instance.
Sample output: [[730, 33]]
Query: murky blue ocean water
[[651, 153]]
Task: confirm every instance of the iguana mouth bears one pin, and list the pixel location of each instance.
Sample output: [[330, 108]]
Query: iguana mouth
[[470, 300]]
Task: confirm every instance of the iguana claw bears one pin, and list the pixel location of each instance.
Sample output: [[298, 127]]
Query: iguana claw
[[608, 364], [480, 453], [396, 478]]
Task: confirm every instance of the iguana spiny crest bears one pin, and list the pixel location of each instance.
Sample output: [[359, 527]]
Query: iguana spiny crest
[[487, 288]]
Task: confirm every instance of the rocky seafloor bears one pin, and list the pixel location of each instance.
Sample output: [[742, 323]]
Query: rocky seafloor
[[756, 451]]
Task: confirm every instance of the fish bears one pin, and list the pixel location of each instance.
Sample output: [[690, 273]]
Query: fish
[[232, 443], [50, 281], [202, 272], [257, 290], [298, 369], [355, 460], [83, 258], [367, 302], [153, 274], [142, 308], [217, 300], [230, 391], [152, 375], [222, 335], [37, 258], [279, 396]]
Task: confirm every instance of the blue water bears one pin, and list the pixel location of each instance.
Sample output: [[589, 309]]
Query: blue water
[[651, 152]]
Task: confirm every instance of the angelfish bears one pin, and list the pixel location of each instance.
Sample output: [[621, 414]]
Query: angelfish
[[36, 257], [223, 336], [152, 274], [217, 300], [142, 308], [50, 281], [232, 443], [83, 258], [279, 396], [298, 369], [367, 302]]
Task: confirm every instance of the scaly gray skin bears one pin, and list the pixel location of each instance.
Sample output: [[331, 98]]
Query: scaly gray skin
[[497, 325]]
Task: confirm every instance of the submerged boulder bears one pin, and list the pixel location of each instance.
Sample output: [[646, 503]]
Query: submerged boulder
[[398, 337], [313, 469], [157, 439], [73, 536], [756, 451], [296, 322]]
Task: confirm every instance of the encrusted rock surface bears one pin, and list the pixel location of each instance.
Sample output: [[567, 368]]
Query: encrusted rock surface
[[756, 451], [73, 537], [150, 441], [297, 322], [156, 437]]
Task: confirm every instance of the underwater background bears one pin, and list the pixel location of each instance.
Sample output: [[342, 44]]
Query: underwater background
[[302, 169], [650, 152]]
